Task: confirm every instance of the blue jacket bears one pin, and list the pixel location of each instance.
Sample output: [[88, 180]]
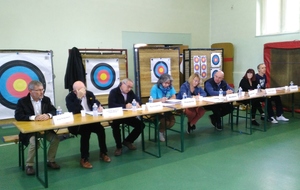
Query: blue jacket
[[185, 88]]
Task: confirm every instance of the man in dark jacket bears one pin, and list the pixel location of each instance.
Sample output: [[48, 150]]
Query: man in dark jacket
[[212, 87], [122, 96], [81, 99], [37, 107]]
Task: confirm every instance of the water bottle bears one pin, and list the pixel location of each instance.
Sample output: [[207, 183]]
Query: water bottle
[[133, 105], [150, 99], [184, 96], [221, 93], [95, 110], [240, 92], [258, 88], [291, 83], [58, 110]]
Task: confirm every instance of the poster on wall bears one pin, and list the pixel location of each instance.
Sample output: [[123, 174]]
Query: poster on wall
[[158, 67], [17, 69], [102, 75]]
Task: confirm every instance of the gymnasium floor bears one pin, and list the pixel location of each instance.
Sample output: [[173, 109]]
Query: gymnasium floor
[[211, 160]]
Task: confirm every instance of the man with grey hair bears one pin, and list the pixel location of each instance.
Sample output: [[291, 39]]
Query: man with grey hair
[[122, 96], [37, 107]]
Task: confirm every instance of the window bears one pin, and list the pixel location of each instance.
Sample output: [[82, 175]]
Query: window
[[277, 16]]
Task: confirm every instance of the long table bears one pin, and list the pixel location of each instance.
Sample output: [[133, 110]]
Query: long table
[[38, 126]]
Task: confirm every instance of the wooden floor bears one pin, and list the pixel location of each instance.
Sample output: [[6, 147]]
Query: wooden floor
[[211, 160]]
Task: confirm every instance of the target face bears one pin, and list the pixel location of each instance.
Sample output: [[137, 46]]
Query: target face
[[14, 78], [160, 68], [196, 59], [203, 59], [197, 67], [103, 76], [215, 60], [213, 71]]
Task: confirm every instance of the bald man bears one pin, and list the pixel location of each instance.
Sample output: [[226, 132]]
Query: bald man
[[212, 87], [82, 99]]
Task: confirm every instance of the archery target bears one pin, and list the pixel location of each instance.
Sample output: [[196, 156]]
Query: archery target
[[17, 69], [216, 60], [159, 66], [14, 77], [213, 71], [103, 75], [196, 64], [203, 72]]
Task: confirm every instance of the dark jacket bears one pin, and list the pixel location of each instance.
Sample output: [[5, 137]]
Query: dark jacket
[[74, 105], [75, 70], [214, 91], [25, 109], [116, 99], [244, 83]]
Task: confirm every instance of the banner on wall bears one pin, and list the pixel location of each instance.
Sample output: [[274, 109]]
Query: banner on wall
[[17, 69], [159, 66], [102, 75]]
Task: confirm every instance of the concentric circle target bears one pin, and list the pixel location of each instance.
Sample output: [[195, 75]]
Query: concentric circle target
[[213, 73], [203, 59], [14, 78], [160, 68], [196, 59], [197, 67], [103, 76], [215, 59], [203, 66]]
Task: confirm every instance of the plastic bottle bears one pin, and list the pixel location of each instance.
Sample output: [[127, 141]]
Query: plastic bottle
[[95, 110], [240, 92], [184, 96], [150, 99], [58, 110], [133, 105], [221, 93], [291, 83], [258, 88]]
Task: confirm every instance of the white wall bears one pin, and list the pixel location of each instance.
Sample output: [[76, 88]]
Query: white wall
[[60, 25], [234, 21]]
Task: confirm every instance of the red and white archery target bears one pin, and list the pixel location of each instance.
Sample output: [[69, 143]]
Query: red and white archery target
[[196, 64], [17, 70], [159, 66], [216, 60], [203, 68], [102, 75]]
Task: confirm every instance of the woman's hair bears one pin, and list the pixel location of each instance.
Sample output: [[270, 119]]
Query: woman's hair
[[253, 74], [165, 78], [193, 76]]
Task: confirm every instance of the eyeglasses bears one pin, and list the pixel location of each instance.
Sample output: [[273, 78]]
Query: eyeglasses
[[128, 86], [39, 90]]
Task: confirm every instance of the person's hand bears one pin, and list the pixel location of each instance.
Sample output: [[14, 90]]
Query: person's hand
[[138, 105], [42, 117], [100, 108], [163, 99], [128, 106], [229, 91], [80, 93]]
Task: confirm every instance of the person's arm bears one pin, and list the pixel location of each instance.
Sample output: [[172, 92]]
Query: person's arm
[[202, 92], [113, 101], [20, 113], [73, 103], [210, 90], [181, 91]]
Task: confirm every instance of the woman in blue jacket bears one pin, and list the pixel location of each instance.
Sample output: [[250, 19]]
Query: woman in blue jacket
[[192, 88]]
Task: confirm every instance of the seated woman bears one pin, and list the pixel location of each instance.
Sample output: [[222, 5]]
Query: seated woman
[[247, 83], [191, 88], [160, 92]]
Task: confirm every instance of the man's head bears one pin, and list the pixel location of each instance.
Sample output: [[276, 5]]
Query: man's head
[[126, 85], [79, 86], [218, 76], [261, 68], [36, 90]]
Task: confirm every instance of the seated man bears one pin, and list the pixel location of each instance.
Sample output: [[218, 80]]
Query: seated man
[[82, 99], [122, 96], [262, 80], [37, 107], [212, 87]]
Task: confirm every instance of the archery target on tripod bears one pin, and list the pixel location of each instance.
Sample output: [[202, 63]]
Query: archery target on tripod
[[196, 64], [216, 60], [17, 70], [203, 68], [102, 75], [159, 66]]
